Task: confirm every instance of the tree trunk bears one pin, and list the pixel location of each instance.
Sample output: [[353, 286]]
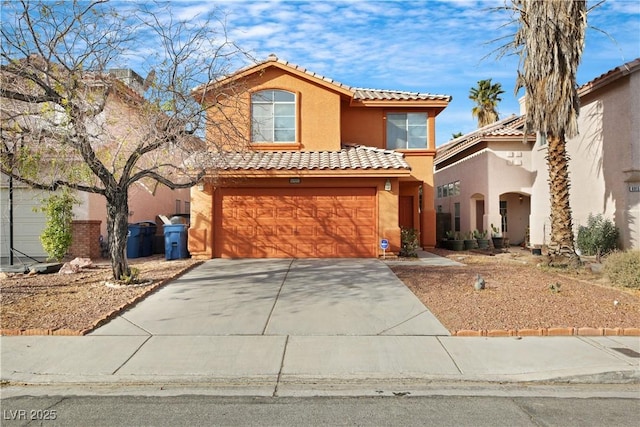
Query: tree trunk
[[117, 230], [562, 242]]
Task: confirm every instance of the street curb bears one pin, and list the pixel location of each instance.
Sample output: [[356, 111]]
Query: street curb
[[548, 332]]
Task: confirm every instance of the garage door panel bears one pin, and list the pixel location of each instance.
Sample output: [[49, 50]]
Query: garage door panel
[[266, 231], [300, 223], [286, 231], [305, 212], [305, 231], [303, 250], [265, 213], [364, 232], [285, 212]]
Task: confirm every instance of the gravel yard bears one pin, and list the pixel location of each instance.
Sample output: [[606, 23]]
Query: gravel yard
[[518, 294]]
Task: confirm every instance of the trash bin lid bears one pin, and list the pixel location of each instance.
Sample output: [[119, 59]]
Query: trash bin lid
[[146, 223]]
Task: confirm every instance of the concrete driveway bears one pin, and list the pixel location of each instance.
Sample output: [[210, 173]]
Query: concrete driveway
[[302, 297]]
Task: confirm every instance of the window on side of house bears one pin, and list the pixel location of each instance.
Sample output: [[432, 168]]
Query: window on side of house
[[439, 191], [503, 213], [406, 131], [178, 204], [273, 116], [456, 217], [541, 139]]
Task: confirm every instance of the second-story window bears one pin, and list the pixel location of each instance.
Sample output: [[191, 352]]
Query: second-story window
[[406, 130], [273, 116]]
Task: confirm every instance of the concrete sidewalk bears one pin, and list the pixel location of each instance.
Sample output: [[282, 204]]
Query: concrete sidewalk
[[295, 327]]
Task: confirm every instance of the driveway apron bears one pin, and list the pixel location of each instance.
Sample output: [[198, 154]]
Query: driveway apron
[[281, 297]]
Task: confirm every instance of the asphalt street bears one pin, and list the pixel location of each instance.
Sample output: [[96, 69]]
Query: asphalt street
[[334, 411]]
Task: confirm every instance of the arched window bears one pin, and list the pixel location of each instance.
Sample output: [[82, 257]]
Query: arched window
[[273, 116]]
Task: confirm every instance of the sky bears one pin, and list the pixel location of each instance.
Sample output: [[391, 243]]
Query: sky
[[441, 47], [438, 47]]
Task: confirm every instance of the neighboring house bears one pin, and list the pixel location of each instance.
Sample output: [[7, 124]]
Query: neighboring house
[[329, 171], [495, 175], [146, 200]]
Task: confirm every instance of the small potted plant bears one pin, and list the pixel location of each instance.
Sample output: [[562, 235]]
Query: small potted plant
[[454, 242], [481, 239], [496, 237], [469, 241]]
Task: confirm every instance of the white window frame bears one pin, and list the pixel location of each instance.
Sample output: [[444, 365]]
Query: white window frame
[[396, 123], [270, 126]]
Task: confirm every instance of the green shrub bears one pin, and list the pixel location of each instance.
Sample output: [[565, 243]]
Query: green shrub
[[57, 235], [598, 237], [409, 242], [623, 269]]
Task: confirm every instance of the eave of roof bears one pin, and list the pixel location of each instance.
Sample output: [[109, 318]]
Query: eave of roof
[[350, 159], [609, 77], [508, 128], [358, 94]]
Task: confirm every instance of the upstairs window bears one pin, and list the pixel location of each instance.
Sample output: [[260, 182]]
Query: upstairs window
[[406, 131], [273, 116]]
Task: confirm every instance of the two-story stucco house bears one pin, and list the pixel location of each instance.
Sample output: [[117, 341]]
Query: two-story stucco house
[[329, 170], [497, 175]]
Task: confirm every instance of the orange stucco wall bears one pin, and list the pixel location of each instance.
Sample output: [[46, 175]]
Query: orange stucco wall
[[318, 110], [363, 126], [327, 118], [202, 234], [422, 169]]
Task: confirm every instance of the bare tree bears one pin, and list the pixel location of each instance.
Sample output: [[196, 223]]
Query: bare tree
[[68, 120], [550, 41]]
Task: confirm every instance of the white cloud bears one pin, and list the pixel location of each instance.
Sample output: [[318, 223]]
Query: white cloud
[[434, 46]]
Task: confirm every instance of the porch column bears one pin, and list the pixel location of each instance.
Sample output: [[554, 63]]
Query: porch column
[[201, 231], [427, 217], [492, 213]]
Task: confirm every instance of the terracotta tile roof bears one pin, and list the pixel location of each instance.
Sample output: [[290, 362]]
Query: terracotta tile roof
[[381, 94], [511, 126], [351, 157], [610, 76], [357, 93]]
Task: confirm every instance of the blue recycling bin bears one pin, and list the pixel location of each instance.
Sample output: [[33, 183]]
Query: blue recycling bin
[[147, 231], [175, 241], [134, 241]]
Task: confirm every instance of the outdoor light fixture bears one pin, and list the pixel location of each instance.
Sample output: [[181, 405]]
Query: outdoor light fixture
[[387, 185], [201, 186], [294, 180]]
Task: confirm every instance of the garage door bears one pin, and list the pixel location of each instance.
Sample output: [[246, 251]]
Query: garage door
[[301, 223], [27, 223]]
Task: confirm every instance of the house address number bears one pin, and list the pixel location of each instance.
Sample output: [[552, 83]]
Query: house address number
[[634, 188]]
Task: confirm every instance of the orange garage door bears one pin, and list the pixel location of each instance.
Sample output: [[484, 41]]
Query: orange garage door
[[300, 222]]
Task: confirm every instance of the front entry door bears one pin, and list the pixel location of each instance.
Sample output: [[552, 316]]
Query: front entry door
[[405, 212]]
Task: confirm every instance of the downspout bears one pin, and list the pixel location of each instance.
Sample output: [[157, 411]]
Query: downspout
[[11, 215]]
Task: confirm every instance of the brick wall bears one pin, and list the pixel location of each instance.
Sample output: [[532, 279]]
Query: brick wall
[[86, 235]]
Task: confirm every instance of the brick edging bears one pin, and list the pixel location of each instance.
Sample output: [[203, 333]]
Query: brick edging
[[99, 322], [547, 332]]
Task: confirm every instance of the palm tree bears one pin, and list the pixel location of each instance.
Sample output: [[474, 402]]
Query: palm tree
[[486, 96], [550, 41]]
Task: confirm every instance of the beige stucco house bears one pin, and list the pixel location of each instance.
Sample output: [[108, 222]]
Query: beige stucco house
[[146, 199], [497, 175]]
